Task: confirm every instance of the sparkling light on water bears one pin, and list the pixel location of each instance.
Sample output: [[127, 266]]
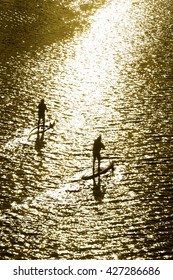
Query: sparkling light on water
[[111, 78]]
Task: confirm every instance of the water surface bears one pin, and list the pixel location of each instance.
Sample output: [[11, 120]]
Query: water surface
[[106, 70]]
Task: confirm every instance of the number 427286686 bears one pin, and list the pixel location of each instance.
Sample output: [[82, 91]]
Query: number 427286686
[[133, 271]]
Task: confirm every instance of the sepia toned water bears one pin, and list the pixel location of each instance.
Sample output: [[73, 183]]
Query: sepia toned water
[[104, 68]]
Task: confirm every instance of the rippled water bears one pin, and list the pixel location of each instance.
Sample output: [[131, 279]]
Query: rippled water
[[106, 69]]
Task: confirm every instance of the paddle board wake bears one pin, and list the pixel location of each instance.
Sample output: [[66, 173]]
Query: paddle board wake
[[15, 142]]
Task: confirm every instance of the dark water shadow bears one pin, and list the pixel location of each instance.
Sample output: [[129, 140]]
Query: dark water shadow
[[40, 143], [98, 190]]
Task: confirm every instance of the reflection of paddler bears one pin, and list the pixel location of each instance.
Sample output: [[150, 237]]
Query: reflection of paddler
[[98, 145], [41, 113]]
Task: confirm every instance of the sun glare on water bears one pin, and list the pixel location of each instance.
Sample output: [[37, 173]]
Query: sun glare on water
[[89, 69]]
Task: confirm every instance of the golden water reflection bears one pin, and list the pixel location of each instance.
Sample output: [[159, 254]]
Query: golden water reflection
[[102, 81]]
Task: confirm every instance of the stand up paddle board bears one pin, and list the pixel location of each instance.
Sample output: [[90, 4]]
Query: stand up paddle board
[[103, 170], [48, 125], [88, 175]]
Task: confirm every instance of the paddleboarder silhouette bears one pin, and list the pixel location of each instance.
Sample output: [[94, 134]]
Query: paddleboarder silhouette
[[97, 146], [41, 115]]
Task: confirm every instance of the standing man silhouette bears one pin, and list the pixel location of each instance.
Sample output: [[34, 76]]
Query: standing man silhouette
[[41, 114], [98, 145]]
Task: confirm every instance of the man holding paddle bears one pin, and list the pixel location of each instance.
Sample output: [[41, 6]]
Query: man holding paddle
[[41, 114], [98, 145]]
